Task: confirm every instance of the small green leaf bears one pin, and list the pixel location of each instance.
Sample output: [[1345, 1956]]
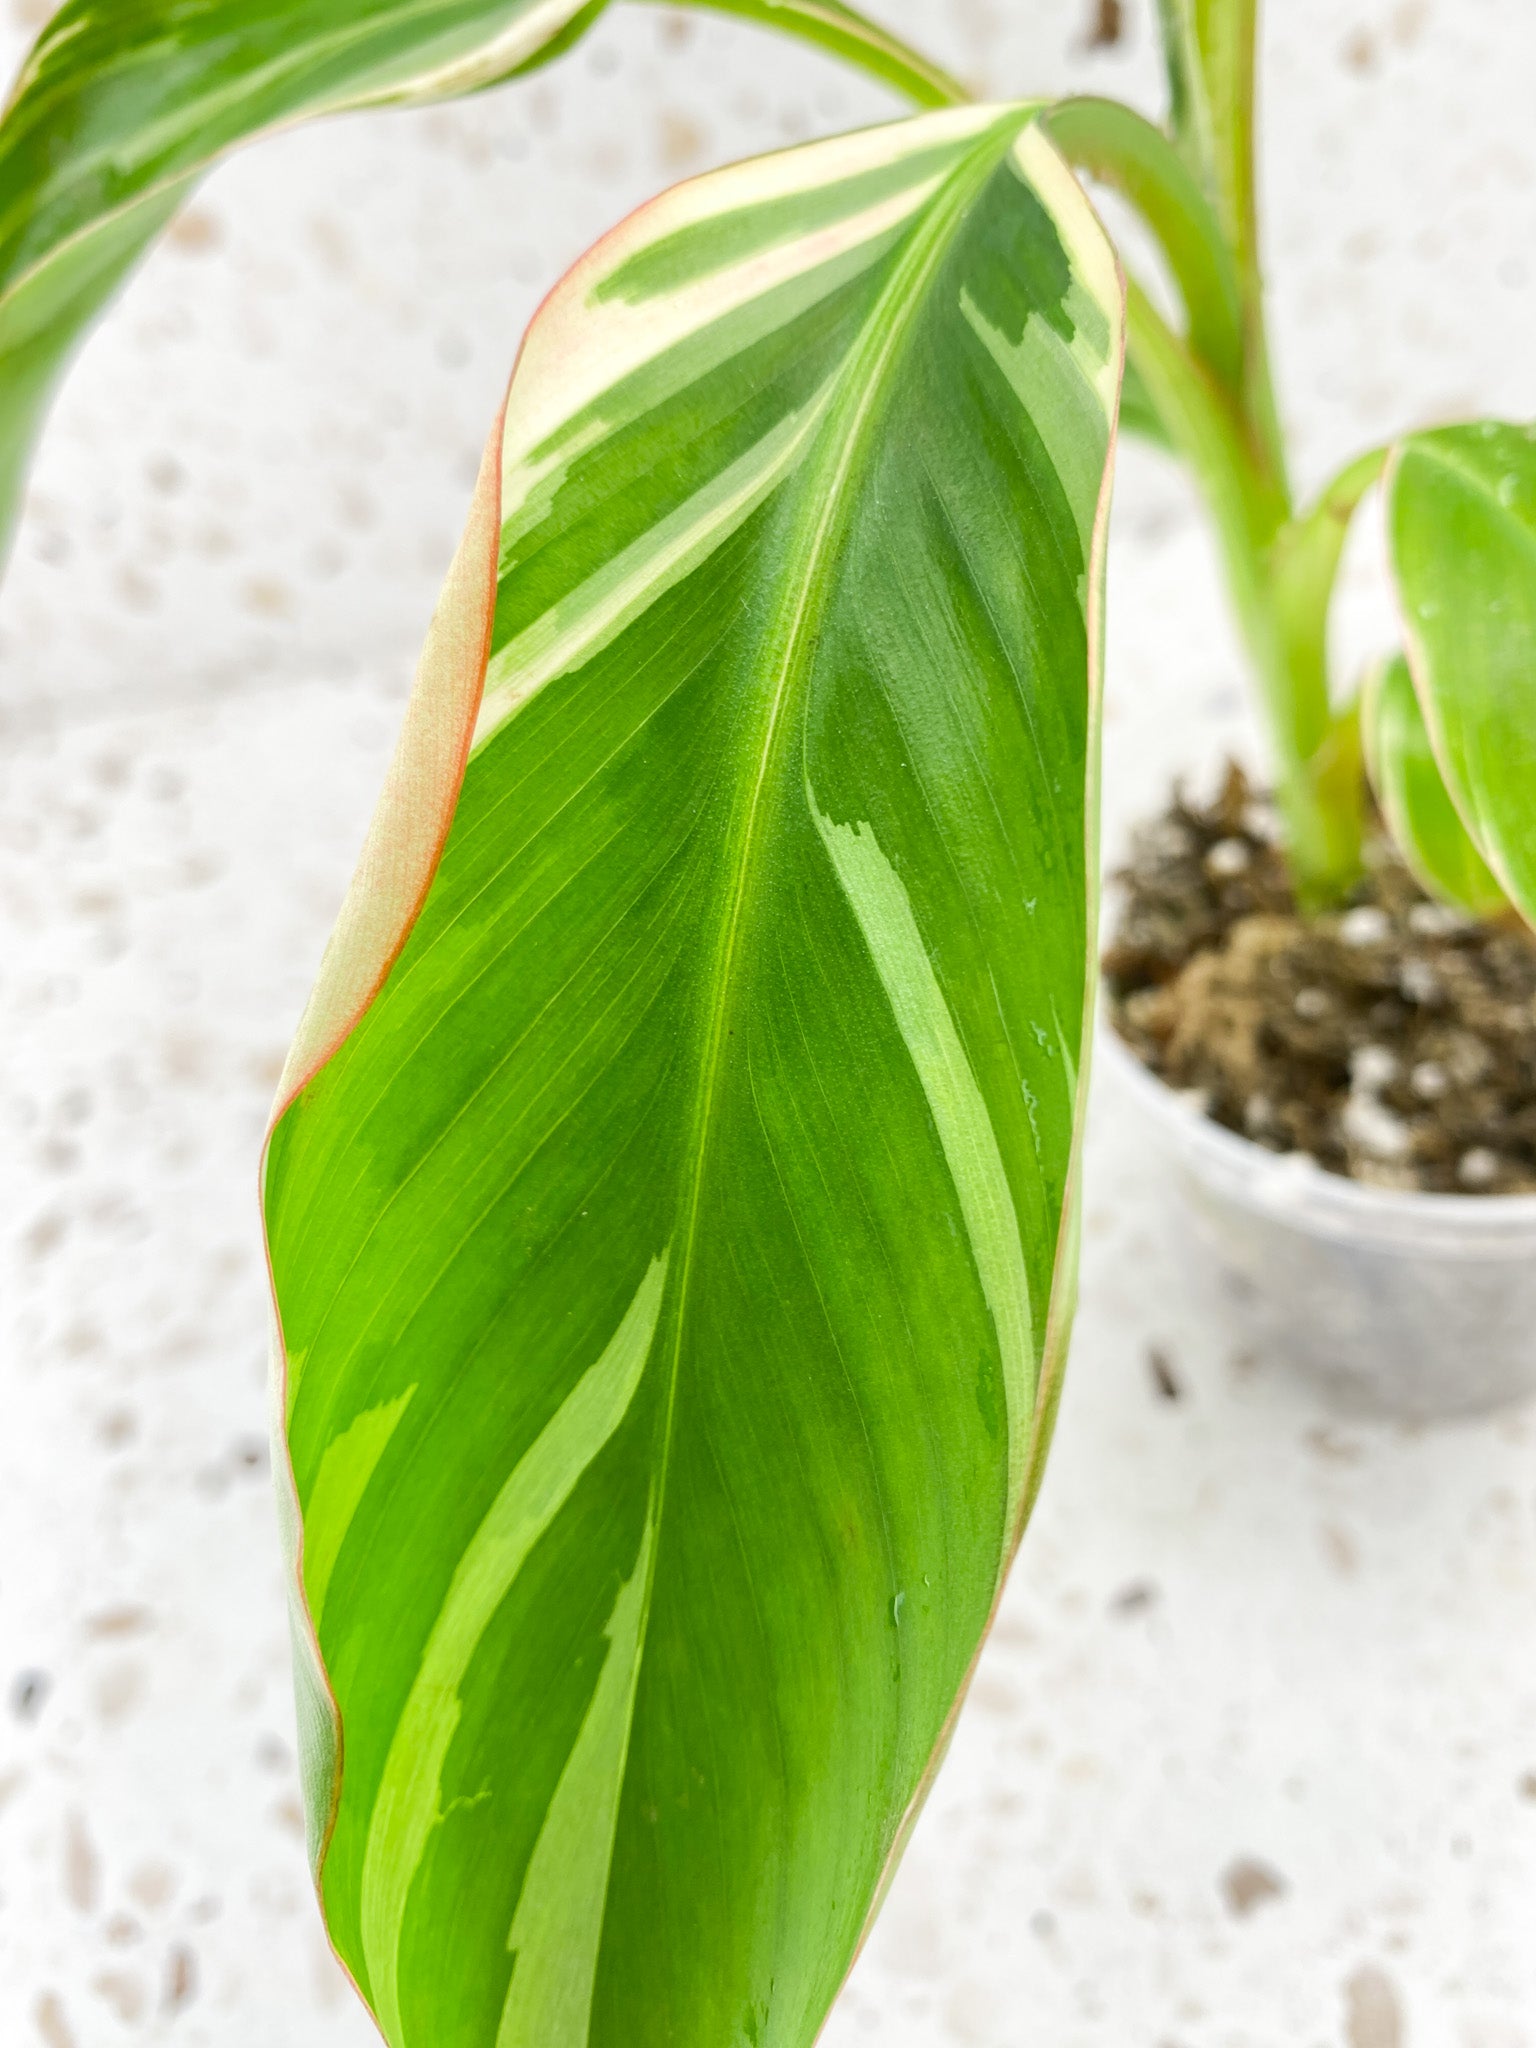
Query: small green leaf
[[1461, 517], [1413, 797], [672, 1203]]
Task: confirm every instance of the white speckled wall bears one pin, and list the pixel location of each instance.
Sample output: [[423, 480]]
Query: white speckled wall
[[1251, 1761]]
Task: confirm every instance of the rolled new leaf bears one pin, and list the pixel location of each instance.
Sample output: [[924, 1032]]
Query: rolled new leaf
[[1461, 517], [1414, 800], [671, 1206], [118, 110]]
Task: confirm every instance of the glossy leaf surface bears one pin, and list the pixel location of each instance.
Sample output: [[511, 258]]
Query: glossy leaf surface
[[671, 1213], [1461, 515], [1413, 797]]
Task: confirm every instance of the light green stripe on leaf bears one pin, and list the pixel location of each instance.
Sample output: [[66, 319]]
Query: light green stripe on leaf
[[885, 917], [1094, 285], [540, 1485], [588, 619], [555, 1934], [1046, 373], [348, 1465]]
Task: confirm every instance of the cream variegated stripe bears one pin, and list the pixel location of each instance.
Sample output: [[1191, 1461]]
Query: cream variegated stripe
[[583, 623], [885, 917], [345, 1470], [581, 348], [583, 344], [556, 1933], [682, 336], [720, 325], [542, 1481], [1059, 381]]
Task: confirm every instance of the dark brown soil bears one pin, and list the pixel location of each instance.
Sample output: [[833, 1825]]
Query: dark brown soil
[[1393, 1040]]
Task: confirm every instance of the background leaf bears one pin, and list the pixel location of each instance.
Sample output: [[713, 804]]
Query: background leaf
[[852, 36], [121, 107], [1413, 797], [674, 1261], [1461, 517]]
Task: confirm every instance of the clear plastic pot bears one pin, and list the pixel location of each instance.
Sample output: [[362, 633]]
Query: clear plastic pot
[[1402, 1304]]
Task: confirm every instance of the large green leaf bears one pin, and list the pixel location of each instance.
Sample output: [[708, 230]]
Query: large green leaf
[[1461, 516], [1413, 797], [671, 1208]]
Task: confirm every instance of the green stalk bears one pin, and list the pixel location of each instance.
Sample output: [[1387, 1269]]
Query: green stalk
[[1122, 149], [1304, 565], [843, 33], [1316, 752], [1210, 50]]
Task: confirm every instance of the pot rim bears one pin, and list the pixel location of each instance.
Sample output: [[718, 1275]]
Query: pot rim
[[1294, 1187]]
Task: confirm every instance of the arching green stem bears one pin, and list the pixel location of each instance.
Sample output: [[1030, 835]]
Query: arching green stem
[[1123, 150], [1210, 50], [1315, 749], [844, 33]]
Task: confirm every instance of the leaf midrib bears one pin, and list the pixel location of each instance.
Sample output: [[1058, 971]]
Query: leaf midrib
[[865, 376]]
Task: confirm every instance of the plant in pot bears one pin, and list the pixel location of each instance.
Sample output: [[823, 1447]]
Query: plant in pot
[[672, 1195]]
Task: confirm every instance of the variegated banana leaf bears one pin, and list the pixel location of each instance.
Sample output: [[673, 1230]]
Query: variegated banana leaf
[[671, 1203], [123, 104], [1461, 517], [1413, 797]]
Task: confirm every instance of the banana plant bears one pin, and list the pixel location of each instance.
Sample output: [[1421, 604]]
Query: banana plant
[[671, 1199]]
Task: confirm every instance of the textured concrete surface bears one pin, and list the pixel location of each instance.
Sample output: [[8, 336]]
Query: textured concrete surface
[[1251, 1760]]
